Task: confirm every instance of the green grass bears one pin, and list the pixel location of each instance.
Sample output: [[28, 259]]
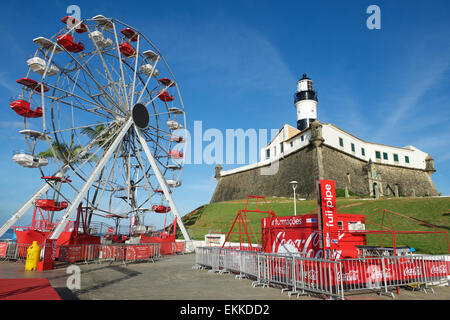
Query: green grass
[[218, 217]]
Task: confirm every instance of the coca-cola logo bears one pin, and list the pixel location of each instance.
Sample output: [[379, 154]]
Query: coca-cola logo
[[351, 275], [310, 275], [414, 271], [308, 247], [375, 273], [440, 269]]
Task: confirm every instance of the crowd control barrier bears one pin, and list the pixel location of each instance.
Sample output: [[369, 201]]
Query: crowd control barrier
[[98, 253], [331, 278]]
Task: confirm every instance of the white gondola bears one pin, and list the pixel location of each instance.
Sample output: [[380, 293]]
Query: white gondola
[[38, 65], [150, 55], [147, 70], [47, 44], [173, 125], [99, 39], [173, 183], [103, 22], [176, 110], [28, 161], [35, 134]]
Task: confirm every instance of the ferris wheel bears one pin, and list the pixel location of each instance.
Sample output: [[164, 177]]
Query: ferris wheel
[[111, 122]]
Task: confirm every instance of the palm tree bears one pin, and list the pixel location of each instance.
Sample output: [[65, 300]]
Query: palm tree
[[67, 153]]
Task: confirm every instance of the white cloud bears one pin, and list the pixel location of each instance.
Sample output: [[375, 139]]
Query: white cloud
[[11, 124]]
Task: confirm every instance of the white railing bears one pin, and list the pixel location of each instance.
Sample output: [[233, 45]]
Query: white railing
[[331, 278]]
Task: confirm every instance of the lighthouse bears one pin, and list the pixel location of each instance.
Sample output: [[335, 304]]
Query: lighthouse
[[305, 101]]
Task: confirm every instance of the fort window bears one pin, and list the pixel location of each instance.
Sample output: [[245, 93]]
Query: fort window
[[378, 154], [363, 152], [291, 143], [302, 138], [341, 142], [281, 147], [395, 157], [406, 159], [385, 156], [267, 153], [353, 147]]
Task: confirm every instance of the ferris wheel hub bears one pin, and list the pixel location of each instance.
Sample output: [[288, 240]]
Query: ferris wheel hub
[[140, 115]]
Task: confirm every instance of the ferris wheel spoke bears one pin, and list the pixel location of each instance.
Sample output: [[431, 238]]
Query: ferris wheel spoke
[[135, 71], [95, 110], [125, 95], [95, 102], [83, 66], [111, 82], [148, 79]]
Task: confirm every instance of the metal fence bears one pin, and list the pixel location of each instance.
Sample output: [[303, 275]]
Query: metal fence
[[332, 278], [98, 253]]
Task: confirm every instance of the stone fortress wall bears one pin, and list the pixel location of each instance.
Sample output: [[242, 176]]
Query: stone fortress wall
[[318, 161]]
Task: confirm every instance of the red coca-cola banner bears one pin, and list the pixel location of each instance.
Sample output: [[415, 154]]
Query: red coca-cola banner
[[3, 247], [328, 213], [70, 253], [138, 252]]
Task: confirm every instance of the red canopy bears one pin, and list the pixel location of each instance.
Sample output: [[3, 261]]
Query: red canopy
[[130, 34], [32, 84], [80, 29], [166, 82]]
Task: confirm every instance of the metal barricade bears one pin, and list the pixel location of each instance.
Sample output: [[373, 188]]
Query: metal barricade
[[275, 269], [99, 253], [317, 276], [16, 251]]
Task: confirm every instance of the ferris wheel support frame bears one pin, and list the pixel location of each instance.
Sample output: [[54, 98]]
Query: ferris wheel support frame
[[162, 183], [19, 213]]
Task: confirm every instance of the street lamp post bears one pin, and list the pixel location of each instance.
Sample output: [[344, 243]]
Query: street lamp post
[[294, 186]]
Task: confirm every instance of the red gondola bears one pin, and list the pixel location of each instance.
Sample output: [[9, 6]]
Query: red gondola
[[167, 82], [130, 34], [80, 28], [126, 49], [32, 84], [22, 108], [177, 139], [175, 154], [55, 178], [159, 191], [51, 205], [67, 41], [160, 209], [166, 97]]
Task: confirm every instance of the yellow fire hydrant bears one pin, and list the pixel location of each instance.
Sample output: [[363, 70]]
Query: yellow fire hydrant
[[33, 253]]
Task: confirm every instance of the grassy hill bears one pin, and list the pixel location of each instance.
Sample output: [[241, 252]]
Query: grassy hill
[[432, 213]]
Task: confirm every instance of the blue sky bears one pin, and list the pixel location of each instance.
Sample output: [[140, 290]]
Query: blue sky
[[237, 63]]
